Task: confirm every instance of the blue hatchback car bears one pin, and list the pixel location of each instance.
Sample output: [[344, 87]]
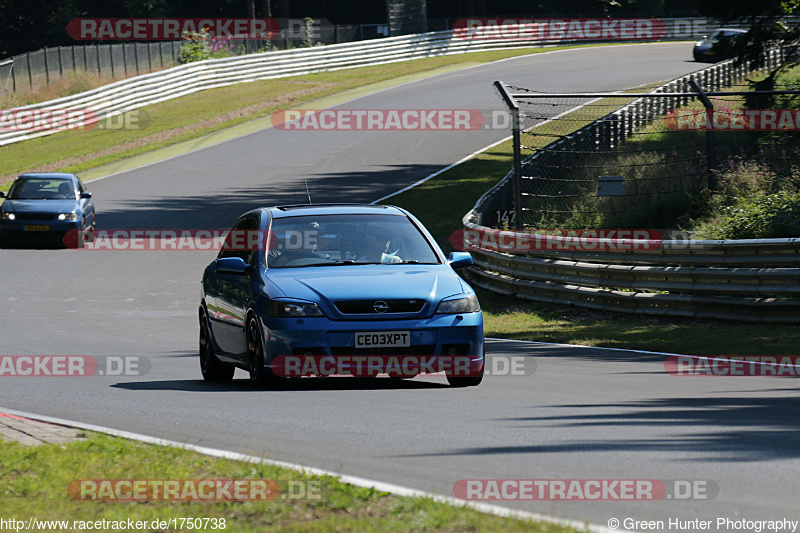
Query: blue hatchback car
[[44, 208], [337, 284]]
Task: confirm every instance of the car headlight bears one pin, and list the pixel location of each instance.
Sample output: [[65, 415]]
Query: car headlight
[[8, 216], [294, 309], [67, 216], [467, 304]]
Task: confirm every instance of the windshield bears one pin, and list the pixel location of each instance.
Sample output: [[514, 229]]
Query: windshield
[[722, 36], [42, 189], [347, 240]]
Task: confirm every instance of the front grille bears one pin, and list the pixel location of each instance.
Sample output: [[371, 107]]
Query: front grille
[[363, 307], [36, 216], [420, 349]]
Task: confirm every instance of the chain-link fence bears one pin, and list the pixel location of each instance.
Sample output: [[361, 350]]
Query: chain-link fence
[[42, 68], [629, 160]]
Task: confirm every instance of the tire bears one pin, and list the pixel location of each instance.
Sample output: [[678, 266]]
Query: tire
[[81, 235], [213, 370], [89, 234], [470, 381], [260, 375]]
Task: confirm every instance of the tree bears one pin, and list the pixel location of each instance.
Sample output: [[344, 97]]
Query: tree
[[766, 20]]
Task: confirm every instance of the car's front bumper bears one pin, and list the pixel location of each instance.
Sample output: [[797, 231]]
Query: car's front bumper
[[21, 232], [446, 336]]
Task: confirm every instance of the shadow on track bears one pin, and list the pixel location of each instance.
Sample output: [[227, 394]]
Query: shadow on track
[[295, 384], [743, 429], [220, 210]]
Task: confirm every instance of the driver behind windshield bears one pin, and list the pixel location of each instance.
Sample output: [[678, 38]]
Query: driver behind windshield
[[377, 248]]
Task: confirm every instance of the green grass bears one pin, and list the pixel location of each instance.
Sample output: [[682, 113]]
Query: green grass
[[34, 483], [512, 318]]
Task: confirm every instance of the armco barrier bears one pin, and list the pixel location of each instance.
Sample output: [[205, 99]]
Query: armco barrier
[[129, 94], [713, 279]]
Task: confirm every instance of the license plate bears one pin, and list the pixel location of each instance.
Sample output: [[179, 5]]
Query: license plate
[[383, 339], [37, 228]]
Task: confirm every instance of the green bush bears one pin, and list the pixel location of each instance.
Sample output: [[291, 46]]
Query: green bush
[[763, 216], [195, 47]]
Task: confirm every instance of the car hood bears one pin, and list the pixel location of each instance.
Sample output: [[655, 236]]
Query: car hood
[[40, 206], [327, 285]]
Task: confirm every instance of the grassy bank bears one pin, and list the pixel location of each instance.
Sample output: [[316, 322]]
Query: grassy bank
[[40, 482]]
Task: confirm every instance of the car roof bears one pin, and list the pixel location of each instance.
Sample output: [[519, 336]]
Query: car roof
[[730, 30], [49, 175], [284, 211]]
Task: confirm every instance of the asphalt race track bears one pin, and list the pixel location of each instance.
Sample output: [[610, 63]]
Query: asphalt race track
[[582, 414]]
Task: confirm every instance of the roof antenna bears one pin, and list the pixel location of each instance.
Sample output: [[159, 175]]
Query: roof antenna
[[307, 192]]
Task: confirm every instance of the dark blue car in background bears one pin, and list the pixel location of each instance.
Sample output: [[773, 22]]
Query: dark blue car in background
[[336, 282], [717, 46], [46, 208]]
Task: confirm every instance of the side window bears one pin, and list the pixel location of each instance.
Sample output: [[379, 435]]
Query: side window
[[242, 240], [81, 187]]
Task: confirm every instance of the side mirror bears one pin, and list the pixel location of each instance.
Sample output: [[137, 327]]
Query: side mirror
[[2, 194], [460, 260], [231, 265], [86, 194]]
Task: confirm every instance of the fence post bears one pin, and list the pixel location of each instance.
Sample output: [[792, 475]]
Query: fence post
[[10, 75], [513, 106], [30, 75], [710, 146], [136, 57], [46, 68]]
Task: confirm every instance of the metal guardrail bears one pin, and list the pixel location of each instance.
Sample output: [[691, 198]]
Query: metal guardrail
[[748, 280], [129, 94], [669, 301]]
